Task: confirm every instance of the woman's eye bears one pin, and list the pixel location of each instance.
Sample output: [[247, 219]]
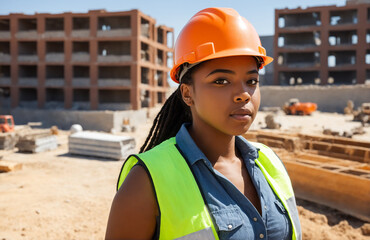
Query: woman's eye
[[252, 81], [221, 81]]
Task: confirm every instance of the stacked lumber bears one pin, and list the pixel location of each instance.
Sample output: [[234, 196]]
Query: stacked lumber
[[8, 141], [101, 145], [333, 171], [37, 141]]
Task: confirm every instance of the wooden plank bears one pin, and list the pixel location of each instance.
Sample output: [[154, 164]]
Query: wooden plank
[[346, 192], [335, 140], [6, 166]]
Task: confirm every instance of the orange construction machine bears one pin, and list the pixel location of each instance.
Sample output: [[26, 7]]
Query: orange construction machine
[[6, 123], [294, 107]]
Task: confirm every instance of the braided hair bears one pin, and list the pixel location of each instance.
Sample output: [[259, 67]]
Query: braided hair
[[173, 114]]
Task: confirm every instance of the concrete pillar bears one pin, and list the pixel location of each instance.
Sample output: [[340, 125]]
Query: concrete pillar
[[151, 87], [67, 61], [276, 80], [14, 94], [67, 97], [155, 34], [41, 68], [324, 36], [41, 86], [135, 66], [361, 45], [164, 35], [164, 78], [94, 97], [93, 45]]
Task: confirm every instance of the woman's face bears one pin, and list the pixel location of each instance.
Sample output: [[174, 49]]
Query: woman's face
[[225, 94]]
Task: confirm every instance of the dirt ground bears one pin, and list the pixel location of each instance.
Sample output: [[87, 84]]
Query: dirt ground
[[60, 196]]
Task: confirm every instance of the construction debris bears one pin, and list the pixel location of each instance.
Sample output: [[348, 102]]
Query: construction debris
[[76, 128], [348, 134], [54, 130], [271, 109], [366, 229], [362, 114], [358, 131], [6, 166], [27, 139], [101, 145], [349, 109], [34, 124], [37, 141], [126, 127], [332, 171], [270, 122], [8, 140]]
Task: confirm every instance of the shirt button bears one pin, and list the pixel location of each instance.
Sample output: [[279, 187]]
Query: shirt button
[[261, 235], [265, 207], [255, 219], [229, 226]]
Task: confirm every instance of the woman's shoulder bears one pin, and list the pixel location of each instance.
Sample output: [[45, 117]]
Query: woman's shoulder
[[134, 206]]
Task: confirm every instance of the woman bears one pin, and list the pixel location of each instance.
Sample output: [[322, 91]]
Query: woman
[[195, 177]]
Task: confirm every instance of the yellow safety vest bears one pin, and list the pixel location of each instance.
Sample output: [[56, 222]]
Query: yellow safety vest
[[183, 213]]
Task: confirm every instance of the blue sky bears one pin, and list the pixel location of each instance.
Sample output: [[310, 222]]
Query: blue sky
[[170, 13]]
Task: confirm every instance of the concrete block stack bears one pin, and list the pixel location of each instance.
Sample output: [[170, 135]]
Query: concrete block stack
[[8, 141], [103, 145], [37, 141]]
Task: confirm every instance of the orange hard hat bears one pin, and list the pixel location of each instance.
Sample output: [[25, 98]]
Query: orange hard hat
[[216, 33]]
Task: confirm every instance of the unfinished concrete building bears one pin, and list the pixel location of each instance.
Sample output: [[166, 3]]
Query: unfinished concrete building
[[323, 45], [267, 73], [85, 61]]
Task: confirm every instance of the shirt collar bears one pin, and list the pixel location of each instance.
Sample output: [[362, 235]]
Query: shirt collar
[[193, 154], [246, 149], [187, 145]]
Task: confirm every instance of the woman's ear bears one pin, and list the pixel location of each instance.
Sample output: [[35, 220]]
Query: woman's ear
[[186, 94]]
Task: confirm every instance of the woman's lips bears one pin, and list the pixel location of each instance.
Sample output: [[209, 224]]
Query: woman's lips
[[242, 114], [241, 117]]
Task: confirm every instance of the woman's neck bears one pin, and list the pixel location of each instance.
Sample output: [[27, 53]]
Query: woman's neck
[[217, 146]]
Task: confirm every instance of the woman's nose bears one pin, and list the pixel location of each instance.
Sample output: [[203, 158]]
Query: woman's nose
[[242, 97]]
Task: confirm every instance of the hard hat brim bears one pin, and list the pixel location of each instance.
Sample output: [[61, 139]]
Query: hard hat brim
[[226, 53]]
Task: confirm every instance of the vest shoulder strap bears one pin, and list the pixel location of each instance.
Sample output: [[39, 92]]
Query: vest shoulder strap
[[277, 176]]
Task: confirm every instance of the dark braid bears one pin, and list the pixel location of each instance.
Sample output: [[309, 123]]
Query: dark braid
[[172, 115]]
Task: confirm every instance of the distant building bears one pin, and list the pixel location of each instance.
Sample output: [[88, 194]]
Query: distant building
[[87, 61], [323, 45], [267, 73]]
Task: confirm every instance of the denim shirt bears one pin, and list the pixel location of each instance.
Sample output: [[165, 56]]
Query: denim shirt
[[234, 215]]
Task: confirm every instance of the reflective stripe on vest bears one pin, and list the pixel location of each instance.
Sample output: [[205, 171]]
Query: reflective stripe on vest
[[276, 175], [183, 213], [175, 188]]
